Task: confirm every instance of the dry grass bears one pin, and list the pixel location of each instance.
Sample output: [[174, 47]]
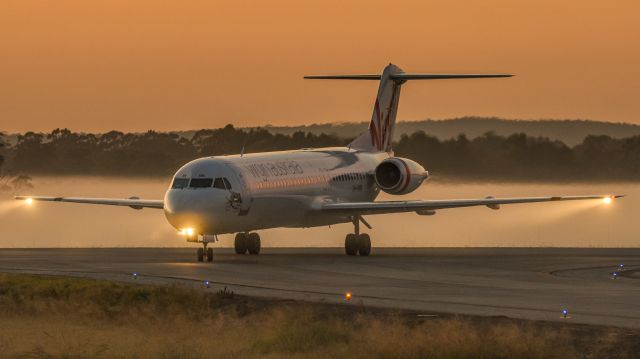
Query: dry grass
[[46, 317]]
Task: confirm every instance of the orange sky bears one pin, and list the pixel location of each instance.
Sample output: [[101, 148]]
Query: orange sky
[[134, 65]]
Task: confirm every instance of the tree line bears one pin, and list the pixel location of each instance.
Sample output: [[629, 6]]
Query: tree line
[[486, 157]]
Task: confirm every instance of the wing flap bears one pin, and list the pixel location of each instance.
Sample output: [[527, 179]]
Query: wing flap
[[133, 202], [420, 205]]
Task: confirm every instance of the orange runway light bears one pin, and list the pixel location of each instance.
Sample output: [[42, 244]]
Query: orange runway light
[[347, 296]]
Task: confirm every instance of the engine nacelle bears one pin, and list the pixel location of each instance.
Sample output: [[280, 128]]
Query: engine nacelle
[[398, 175]]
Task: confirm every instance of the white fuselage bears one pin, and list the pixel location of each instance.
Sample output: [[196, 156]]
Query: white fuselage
[[268, 190]]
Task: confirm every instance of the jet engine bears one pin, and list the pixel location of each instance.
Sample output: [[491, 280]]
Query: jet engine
[[397, 175]]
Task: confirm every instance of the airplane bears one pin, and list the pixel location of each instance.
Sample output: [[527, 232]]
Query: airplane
[[244, 193]]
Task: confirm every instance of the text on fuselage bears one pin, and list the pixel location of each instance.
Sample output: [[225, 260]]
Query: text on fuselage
[[276, 168]]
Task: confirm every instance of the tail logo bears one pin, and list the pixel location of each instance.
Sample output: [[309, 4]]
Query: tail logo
[[374, 127], [379, 129]]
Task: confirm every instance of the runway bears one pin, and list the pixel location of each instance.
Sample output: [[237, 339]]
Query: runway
[[515, 282]]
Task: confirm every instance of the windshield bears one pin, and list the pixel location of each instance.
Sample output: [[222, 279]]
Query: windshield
[[201, 182], [180, 183]]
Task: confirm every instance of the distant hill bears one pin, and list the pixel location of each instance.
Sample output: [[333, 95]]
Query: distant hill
[[571, 132]]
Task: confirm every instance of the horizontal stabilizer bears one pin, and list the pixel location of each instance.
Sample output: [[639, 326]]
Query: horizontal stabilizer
[[379, 136], [344, 77], [405, 76]]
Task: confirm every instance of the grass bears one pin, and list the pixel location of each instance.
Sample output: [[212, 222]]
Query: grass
[[52, 317]]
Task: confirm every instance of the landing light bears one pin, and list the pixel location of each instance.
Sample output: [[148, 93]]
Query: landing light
[[29, 201], [607, 200], [187, 232]]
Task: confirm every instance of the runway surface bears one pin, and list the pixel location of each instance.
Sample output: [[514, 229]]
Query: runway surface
[[520, 283]]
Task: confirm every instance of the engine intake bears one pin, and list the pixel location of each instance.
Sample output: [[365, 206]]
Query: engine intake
[[398, 175]]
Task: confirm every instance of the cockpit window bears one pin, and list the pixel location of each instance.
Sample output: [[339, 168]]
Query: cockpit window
[[201, 182], [218, 183], [227, 183], [180, 183]]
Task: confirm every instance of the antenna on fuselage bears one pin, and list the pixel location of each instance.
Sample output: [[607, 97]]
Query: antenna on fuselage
[[242, 151]]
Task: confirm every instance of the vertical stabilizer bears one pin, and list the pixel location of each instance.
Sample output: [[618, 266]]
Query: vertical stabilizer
[[383, 120]]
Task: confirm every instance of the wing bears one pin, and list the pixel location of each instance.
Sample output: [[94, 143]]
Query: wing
[[429, 207], [133, 202]]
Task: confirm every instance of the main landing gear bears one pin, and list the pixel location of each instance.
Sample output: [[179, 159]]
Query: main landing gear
[[357, 242], [247, 242]]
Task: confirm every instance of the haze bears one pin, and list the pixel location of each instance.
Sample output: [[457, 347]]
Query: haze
[[172, 65], [577, 224]]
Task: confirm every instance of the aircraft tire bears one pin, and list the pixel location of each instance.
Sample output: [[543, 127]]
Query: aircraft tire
[[253, 243], [364, 244], [350, 245], [209, 254], [240, 244], [200, 253]]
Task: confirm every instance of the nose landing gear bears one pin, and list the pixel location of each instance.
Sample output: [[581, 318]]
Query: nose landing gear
[[247, 242], [205, 251], [201, 253]]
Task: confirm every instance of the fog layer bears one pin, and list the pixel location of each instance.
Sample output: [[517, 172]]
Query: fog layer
[[570, 224]]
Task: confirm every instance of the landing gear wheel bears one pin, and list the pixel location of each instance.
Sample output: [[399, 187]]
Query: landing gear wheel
[[364, 244], [350, 245], [253, 243], [240, 243], [209, 254], [200, 254]]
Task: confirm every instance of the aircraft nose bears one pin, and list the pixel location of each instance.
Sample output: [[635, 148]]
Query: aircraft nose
[[186, 209]]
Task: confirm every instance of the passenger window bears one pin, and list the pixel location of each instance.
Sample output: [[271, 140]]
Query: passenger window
[[201, 182], [180, 183], [218, 183], [227, 183]]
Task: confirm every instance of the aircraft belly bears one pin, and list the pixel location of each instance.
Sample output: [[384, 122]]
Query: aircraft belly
[[267, 213]]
